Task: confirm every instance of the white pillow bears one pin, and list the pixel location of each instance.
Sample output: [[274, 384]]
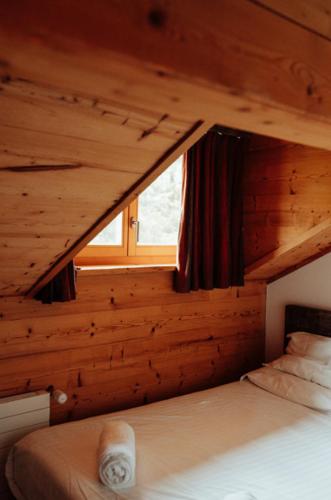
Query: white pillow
[[292, 388], [310, 345], [305, 368]]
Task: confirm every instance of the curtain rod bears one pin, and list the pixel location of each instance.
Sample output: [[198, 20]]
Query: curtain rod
[[219, 129]]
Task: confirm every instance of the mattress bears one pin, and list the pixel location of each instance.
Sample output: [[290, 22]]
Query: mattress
[[233, 442]]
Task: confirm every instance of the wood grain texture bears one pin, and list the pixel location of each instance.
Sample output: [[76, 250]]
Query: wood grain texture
[[314, 14], [287, 206], [129, 339], [227, 61], [93, 98], [306, 247], [64, 160]]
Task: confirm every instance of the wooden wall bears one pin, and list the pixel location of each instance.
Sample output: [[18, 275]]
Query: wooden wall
[[129, 339], [288, 194]]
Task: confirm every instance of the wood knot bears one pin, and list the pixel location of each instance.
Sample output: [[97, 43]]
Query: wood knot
[[157, 18], [6, 79], [4, 64], [244, 109], [310, 89]]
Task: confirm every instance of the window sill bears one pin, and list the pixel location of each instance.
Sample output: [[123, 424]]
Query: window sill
[[102, 270]]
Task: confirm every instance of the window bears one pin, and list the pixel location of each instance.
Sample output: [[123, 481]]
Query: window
[[144, 233]]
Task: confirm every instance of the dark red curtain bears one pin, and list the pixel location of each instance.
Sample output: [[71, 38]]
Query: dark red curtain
[[61, 288], [210, 248]]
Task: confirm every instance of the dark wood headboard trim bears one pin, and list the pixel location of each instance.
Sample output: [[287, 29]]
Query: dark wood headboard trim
[[307, 319]]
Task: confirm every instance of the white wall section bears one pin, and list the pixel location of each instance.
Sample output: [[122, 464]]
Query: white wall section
[[308, 286]]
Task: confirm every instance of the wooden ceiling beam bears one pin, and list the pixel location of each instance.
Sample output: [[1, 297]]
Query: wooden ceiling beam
[[307, 247], [314, 15], [236, 63]]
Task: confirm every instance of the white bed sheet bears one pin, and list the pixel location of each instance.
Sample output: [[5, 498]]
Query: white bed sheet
[[233, 442]]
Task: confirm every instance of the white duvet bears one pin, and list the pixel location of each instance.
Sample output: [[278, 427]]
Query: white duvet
[[234, 442]]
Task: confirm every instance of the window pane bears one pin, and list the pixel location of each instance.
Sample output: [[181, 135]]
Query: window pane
[[112, 234], [159, 208]]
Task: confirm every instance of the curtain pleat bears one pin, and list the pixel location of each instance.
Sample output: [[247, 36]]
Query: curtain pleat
[[61, 288], [210, 248]]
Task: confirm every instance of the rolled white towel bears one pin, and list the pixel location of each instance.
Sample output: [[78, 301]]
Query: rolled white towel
[[117, 455]]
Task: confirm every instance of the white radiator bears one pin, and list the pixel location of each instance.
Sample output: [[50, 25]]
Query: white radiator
[[20, 415]]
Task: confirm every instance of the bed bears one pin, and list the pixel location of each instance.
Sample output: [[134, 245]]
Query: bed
[[233, 442]]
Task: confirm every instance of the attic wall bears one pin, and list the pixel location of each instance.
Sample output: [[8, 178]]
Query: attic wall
[[129, 339], [287, 192]]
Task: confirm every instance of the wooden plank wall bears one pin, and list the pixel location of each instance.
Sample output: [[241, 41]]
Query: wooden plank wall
[[288, 192], [129, 339]]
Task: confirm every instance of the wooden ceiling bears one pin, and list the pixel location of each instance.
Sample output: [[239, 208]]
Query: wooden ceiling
[[96, 99], [65, 159]]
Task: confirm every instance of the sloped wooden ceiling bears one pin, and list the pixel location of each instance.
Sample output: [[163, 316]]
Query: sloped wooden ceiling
[[65, 160], [97, 98]]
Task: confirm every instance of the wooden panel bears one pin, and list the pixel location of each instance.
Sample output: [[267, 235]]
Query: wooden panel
[[89, 111], [287, 206], [42, 126], [306, 247], [313, 14], [226, 62], [129, 339]]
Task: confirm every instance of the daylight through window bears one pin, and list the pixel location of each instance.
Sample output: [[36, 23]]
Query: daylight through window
[[147, 231]]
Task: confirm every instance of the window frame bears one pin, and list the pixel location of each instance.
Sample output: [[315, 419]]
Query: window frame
[[129, 253]]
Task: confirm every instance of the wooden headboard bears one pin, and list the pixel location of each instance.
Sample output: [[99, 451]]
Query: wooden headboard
[[307, 319]]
